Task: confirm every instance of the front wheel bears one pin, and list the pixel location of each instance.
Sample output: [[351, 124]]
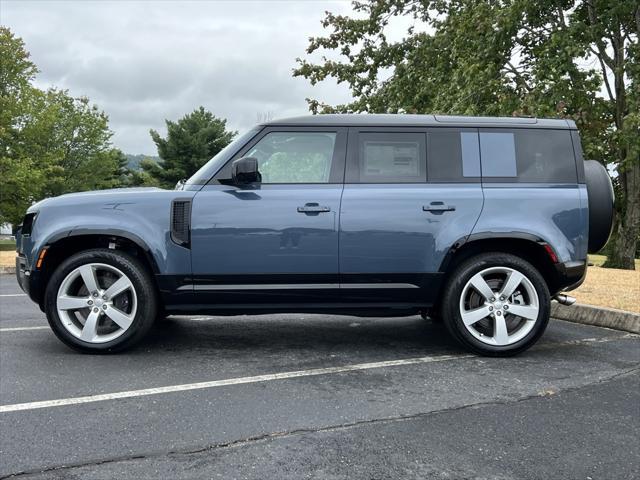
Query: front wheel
[[100, 301], [496, 304]]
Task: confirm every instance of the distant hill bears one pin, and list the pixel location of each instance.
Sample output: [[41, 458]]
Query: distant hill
[[134, 160]]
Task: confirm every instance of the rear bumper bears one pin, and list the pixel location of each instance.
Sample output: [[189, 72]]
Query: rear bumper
[[571, 274]]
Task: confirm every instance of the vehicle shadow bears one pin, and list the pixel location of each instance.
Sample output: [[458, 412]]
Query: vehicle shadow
[[315, 333]]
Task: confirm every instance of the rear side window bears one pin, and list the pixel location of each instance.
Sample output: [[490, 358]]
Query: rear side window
[[527, 156], [391, 158], [453, 155]]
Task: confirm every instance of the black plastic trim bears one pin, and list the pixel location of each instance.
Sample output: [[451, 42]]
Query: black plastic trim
[[444, 266], [571, 274], [108, 232], [180, 222]]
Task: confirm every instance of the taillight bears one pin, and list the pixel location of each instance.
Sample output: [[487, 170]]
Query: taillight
[[551, 253]]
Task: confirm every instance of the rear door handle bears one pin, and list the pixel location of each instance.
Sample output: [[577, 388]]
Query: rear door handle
[[438, 208], [313, 208]]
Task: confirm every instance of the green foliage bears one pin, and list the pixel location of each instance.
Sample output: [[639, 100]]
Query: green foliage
[[133, 161], [7, 245], [50, 143], [546, 58], [190, 143]]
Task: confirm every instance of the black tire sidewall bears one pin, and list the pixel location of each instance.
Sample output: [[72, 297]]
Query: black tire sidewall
[[145, 293], [453, 290]]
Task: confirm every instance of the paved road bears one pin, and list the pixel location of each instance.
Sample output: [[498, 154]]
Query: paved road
[[311, 396]]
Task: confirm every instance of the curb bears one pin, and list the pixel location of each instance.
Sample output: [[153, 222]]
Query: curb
[[597, 316], [8, 270]]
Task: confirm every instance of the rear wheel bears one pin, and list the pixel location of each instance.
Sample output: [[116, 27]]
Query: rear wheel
[[100, 301], [496, 304]]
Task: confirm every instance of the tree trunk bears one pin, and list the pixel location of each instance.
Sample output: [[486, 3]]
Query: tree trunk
[[628, 226]]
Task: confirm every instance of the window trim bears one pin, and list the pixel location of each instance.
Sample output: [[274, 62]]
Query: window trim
[[336, 175]]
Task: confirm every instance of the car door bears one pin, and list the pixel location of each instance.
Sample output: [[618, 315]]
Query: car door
[[275, 241], [401, 214]]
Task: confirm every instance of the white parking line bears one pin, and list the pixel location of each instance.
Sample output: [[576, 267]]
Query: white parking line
[[20, 329], [221, 383], [13, 294]]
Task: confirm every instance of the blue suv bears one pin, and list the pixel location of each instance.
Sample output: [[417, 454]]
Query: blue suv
[[475, 222]]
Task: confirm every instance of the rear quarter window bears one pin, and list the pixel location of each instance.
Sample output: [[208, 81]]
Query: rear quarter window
[[527, 156]]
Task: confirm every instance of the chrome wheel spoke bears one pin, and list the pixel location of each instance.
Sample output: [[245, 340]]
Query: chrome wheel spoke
[[119, 286], [89, 278], [90, 328], [525, 311], [80, 292], [513, 281], [66, 302], [499, 306], [501, 335], [123, 320], [480, 284], [469, 317]]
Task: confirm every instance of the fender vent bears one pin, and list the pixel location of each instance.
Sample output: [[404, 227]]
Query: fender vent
[[181, 222]]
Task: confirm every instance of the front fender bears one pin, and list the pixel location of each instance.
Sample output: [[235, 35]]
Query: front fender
[[141, 217]]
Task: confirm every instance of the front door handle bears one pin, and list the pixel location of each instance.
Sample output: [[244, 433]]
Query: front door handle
[[438, 208], [313, 208]]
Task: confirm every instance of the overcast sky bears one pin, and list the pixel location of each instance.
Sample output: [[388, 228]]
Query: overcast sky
[[144, 61]]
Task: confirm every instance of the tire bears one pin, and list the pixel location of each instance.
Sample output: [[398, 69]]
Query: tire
[[118, 312], [601, 206], [493, 329]]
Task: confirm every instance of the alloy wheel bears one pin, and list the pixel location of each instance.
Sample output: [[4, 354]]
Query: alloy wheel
[[499, 306], [96, 303]]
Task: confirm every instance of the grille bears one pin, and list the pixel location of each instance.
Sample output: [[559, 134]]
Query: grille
[[181, 222]]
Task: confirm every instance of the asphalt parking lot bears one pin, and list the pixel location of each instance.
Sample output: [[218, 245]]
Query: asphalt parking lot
[[312, 396]]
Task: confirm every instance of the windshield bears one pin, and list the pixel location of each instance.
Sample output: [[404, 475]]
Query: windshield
[[210, 168]]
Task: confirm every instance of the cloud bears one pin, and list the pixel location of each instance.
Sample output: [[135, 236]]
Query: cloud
[[143, 62]]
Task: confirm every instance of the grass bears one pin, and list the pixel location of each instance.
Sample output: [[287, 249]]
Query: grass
[[603, 287], [7, 259], [610, 287], [7, 245]]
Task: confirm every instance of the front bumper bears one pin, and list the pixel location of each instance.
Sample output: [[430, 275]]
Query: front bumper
[[22, 274], [28, 280]]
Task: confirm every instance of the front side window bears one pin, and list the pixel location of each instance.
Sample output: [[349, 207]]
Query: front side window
[[391, 157], [294, 157], [204, 174], [528, 155]]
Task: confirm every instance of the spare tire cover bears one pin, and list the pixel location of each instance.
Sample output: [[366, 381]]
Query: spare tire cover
[[600, 192]]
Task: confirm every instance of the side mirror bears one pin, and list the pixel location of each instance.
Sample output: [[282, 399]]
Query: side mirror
[[245, 171]]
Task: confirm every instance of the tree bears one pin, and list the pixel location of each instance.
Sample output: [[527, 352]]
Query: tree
[[50, 142], [16, 73], [501, 57], [190, 143]]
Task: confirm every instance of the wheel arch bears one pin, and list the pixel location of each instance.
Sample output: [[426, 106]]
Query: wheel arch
[[527, 246], [64, 244]]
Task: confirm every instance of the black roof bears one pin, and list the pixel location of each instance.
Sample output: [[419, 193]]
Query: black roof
[[386, 120]]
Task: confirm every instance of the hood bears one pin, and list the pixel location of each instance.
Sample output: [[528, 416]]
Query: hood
[[91, 195]]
